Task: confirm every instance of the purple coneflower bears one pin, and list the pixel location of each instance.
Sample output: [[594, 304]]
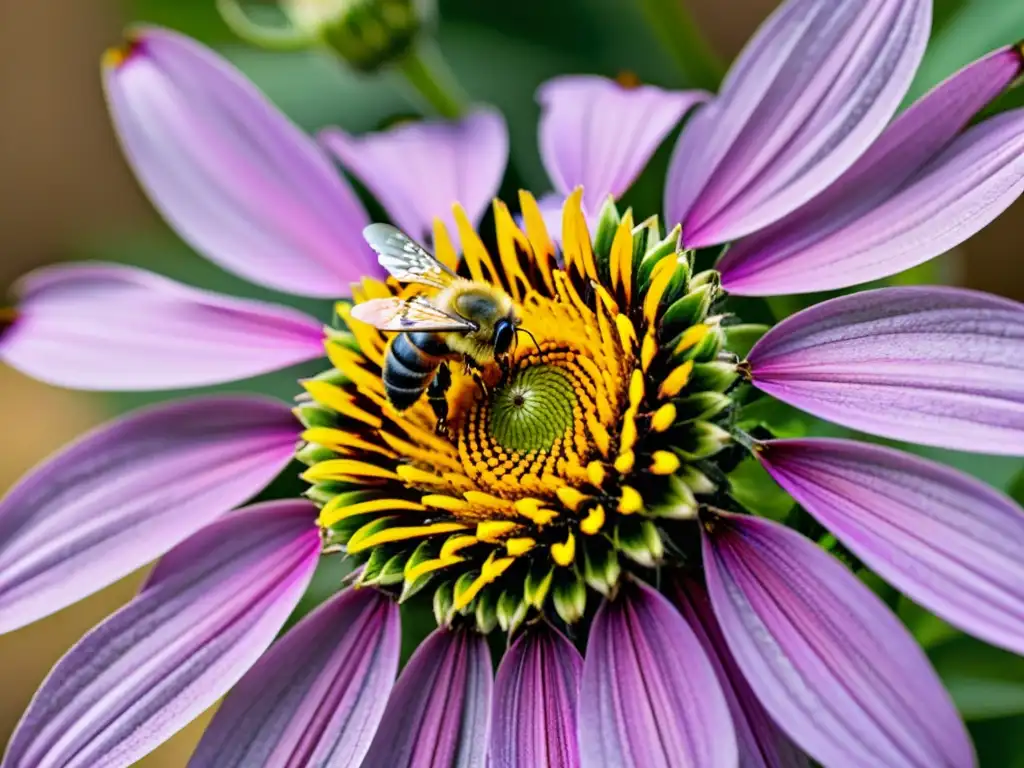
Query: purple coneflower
[[584, 501]]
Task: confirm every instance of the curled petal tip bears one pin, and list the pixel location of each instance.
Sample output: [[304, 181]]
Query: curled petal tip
[[117, 55], [8, 317]]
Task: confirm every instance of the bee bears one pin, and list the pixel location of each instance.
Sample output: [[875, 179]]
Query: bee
[[464, 319]]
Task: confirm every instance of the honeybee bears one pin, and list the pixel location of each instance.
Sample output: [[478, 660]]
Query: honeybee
[[465, 319]]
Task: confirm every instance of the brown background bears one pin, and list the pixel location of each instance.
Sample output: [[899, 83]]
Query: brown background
[[62, 179]]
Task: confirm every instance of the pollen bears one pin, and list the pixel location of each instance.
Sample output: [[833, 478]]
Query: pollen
[[558, 466]]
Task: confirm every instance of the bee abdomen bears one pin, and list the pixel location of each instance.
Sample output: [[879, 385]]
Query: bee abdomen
[[410, 365]]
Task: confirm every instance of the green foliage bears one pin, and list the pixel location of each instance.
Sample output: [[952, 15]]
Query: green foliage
[[985, 682]]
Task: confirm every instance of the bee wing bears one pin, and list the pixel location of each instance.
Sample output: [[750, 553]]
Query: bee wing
[[407, 315], [404, 259]]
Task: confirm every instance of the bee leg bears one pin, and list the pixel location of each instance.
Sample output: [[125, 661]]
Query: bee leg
[[475, 370], [506, 370], [437, 396]]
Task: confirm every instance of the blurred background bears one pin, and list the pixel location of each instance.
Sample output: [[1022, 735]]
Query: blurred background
[[65, 193]]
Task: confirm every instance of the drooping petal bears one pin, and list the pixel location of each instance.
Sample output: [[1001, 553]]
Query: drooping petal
[[112, 327], [230, 173], [535, 702], [439, 713], [828, 660], [807, 96], [918, 191], [316, 697], [937, 366], [649, 694], [948, 541], [209, 610], [598, 133], [129, 491], [761, 743], [417, 170]]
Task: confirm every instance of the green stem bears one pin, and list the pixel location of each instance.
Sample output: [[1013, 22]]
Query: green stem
[[674, 27], [430, 76]]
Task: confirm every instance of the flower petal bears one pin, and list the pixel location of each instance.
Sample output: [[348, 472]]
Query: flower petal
[[418, 170], [535, 697], [649, 694], [947, 540], [827, 659], [316, 697], [761, 743], [111, 327], [208, 612], [598, 133], [439, 713], [937, 366], [807, 96], [914, 194], [128, 492], [231, 174]]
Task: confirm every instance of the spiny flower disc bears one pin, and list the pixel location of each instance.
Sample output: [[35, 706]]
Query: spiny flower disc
[[586, 459]]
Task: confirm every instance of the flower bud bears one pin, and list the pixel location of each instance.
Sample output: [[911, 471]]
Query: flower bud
[[368, 34]]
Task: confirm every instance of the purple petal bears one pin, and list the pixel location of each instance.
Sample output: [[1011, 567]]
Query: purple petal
[[316, 697], [209, 610], [937, 366], [129, 491], [598, 133], [808, 95], [948, 541], [649, 694], [914, 194], [535, 697], [439, 713], [111, 327], [418, 170], [231, 174], [828, 660], [761, 743]]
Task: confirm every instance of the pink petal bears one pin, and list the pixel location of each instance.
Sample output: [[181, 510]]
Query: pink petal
[[129, 491], [111, 327], [914, 194], [761, 743], [210, 609], [418, 170], [439, 713], [828, 660], [598, 133], [316, 697], [937, 366], [807, 96], [235, 178], [535, 704], [949, 542], [649, 694]]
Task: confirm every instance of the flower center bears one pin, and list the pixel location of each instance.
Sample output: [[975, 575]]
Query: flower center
[[578, 457], [529, 415], [537, 431]]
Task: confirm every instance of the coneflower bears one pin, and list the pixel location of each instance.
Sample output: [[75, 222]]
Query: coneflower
[[580, 503]]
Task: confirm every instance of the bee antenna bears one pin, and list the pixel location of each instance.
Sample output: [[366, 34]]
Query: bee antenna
[[523, 330]]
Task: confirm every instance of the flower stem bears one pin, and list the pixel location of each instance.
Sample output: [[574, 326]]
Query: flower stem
[[430, 76], [675, 28]]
